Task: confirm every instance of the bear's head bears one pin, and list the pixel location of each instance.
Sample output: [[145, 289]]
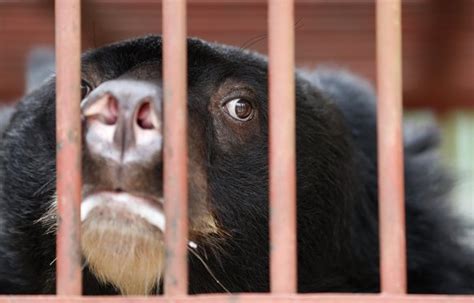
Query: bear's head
[[122, 209]]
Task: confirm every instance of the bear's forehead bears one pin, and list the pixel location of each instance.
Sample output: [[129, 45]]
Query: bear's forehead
[[143, 57], [209, 65]]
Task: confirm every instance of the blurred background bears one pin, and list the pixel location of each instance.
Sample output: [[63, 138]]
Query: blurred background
[[438, 52]]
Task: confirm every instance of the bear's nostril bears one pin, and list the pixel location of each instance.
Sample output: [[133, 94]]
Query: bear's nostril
[[105, 110], [144, 116], [110, 113]]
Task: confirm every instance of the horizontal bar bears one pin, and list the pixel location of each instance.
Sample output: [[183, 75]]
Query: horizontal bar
[[176, 150], [390, 148], [282, 152], [226, 2], [68, 146], [249, 298]]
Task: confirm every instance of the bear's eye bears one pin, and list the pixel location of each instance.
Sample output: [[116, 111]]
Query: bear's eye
[[86, 88], [240, 109]]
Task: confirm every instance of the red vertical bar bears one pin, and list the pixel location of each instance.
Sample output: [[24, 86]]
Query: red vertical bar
[[175, 153], [390, 148], [68, 145], [283, 265]]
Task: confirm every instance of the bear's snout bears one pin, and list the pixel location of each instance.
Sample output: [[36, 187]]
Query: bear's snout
[[122, 121]]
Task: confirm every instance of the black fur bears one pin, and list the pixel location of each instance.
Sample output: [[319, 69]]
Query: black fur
[[337, 184]]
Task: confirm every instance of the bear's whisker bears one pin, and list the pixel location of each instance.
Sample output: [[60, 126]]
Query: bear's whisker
[[192, 251], [52, 262]]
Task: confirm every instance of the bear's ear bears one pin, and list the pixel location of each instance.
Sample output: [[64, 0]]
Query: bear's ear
[[352, 94]]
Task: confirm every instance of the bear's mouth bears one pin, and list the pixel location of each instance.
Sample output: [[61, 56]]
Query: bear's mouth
[[125, 205]]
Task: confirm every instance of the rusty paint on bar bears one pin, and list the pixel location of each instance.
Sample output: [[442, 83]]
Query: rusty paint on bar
[[175, 153], [283, 252], [390, 148], [68, 142], [249, 298]]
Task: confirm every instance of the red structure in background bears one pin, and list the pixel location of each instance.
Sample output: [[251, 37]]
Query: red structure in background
[[438, 38], [393, 271]]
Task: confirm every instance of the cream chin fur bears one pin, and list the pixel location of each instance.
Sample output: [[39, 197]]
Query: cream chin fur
[[134, 205], [129, 256]]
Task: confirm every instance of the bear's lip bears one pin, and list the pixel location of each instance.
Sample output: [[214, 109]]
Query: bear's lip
[[147, 208]]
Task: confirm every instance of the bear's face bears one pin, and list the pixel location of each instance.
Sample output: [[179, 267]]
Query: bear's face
[[122, 209]]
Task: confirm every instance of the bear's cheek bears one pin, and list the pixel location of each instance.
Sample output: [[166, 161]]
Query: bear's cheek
[[203, 225]]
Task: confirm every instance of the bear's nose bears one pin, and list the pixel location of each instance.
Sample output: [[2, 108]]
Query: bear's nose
[[122, 121]]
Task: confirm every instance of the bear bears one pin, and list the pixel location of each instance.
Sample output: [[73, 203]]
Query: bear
[[122, 208]]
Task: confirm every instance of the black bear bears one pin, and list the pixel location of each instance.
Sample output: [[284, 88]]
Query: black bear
[[122, 218]]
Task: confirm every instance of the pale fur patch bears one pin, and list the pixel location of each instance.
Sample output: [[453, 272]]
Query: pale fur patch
[[49, 219], [122, 240], [128, 253], [135, 205]]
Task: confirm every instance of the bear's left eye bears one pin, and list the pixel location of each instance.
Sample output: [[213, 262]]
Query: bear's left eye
[[86, 88], [240, 109]]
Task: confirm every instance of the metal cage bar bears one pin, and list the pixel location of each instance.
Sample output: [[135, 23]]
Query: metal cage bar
[[282, 151], [176, 150], [249, 298], [390, 148], [68, 146]]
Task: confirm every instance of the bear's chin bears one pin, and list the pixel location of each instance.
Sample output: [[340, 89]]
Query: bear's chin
[[123, 249]]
